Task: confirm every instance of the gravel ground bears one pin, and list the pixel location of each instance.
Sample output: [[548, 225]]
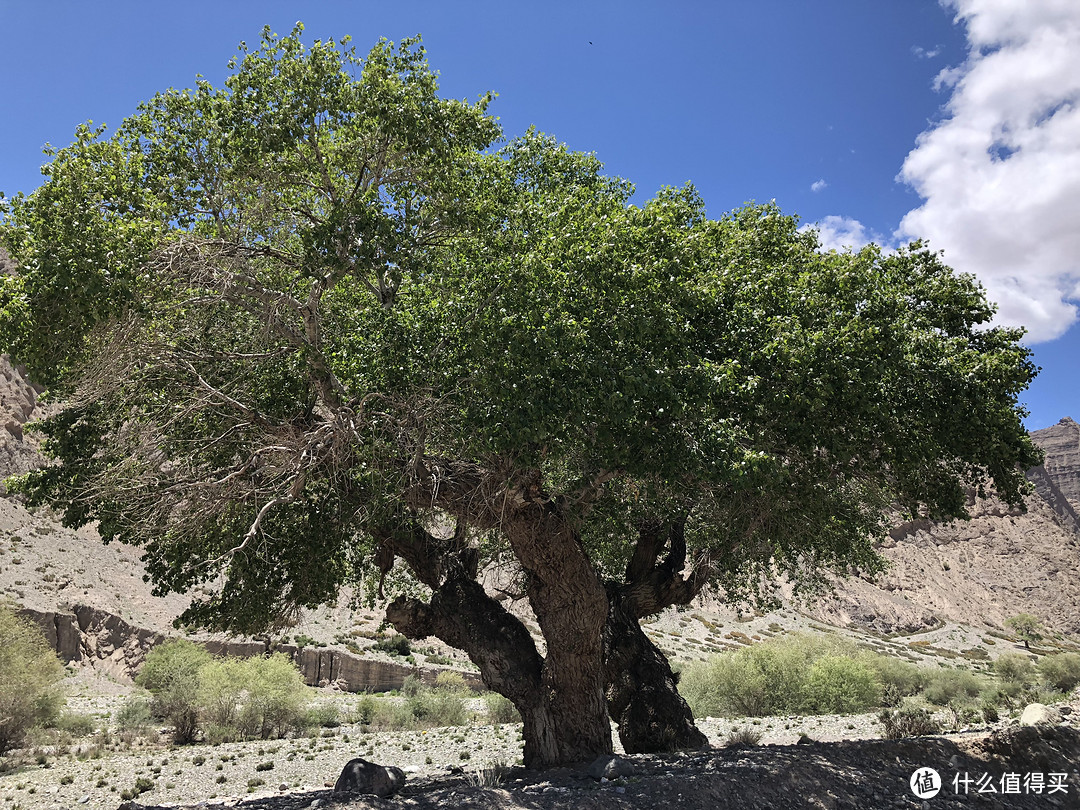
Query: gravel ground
[[93, 777]]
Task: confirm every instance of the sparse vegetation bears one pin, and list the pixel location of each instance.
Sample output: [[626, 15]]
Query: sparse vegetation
[[908, 721]]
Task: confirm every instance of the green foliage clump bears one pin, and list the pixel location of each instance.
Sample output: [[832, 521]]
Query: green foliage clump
[[838, 684], [275, 697], [945, 686], [1015, 671], [396, 644], [30, 675], [230, 698], [134, 715], [170, 674], [793, 674], [500, 709], [1061, 671]]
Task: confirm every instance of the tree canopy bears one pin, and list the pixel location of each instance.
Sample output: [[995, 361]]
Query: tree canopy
[[322, 318]]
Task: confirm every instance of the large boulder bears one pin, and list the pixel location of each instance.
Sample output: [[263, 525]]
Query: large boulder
[[1036, 714]]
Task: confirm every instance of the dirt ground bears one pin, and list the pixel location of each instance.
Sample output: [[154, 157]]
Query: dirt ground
[[975, 771]]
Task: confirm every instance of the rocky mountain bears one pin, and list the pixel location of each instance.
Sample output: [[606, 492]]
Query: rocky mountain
[[1061, 442], [982, 571]]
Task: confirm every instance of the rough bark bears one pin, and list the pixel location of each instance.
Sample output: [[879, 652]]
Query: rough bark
[[561, 696], [570, 605], [642, 694]]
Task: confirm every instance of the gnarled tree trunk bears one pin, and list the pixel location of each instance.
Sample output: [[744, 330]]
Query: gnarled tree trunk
[[642, 692], [561, 696]]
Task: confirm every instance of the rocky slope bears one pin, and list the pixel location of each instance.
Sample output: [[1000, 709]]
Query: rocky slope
[[981, 571]]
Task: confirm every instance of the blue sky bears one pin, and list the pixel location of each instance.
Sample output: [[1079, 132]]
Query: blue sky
[[886, 120]]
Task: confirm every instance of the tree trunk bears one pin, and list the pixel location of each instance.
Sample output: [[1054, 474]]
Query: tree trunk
[[641, 688], [570, 606], [464, 616]]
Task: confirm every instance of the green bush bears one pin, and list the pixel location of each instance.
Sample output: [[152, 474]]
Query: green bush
[[171, 674], [75, 724], [394, 645], [276, 694], [324, 715], [1014, 668], [30, 675], [452, 682], [727, 685], [945, 686], [134, 714], [222, 685], [436, 707], [784, 676], [500, 709], [1061, 671], [898, 678], [837, 684]]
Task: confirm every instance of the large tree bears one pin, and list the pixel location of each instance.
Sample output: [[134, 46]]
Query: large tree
[[314, 326]]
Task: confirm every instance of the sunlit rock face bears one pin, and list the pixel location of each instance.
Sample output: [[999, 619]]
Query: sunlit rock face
[[1062, 445]]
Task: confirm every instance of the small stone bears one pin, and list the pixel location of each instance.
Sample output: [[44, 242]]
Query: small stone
[[83, 799]]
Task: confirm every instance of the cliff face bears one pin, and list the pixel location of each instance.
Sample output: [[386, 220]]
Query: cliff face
[[982, 571], [1061, 442]]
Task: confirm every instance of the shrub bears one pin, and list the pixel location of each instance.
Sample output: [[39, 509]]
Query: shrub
[[452, 682], [744, 736], [1014, 668], [394, 645], [840, 685], [171, 674], [773, 678], [908, 721], [275, 698], [435, 707], [30, 675], [134, 715], [75, 724], [324, 715], [222, 683], [1061, 671], [898, 678], [500, 709], [728, 685], [947, 685]]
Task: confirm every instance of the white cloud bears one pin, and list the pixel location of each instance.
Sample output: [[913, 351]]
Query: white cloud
[[1000, 176], [842, 233], [819, 185], [925, 53]]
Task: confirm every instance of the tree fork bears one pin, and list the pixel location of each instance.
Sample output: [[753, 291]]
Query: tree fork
[[462, 615]]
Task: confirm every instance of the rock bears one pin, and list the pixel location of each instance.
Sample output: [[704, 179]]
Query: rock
[[361, 776], [805, 739], [1036, 714], [610, 766]]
